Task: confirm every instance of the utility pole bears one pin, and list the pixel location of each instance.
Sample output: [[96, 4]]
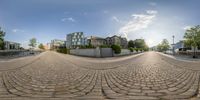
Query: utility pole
[[173, 44]]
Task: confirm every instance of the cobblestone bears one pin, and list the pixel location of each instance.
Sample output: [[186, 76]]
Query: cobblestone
[[50, 75]]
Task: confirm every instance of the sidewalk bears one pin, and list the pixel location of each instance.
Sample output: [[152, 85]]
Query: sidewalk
[[181, 57]]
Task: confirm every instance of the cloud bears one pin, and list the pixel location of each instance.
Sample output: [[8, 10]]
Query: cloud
[[152, 4], [68, 19], [151, 12], [187, 27], [115, 19], [138, 22], [17, 30]]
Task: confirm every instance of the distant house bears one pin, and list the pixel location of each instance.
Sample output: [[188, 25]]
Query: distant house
[[47, 46], [113, 40], [96, 41], [9, 45], [56, 44], [75, 39], [180, 46], [124, 43], [117, 40]]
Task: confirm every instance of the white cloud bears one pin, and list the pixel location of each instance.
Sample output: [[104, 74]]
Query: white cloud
[[138, 22], [152, 4], [151, 11], [17, 30], [187, 27], [68, 19], [115, 19]]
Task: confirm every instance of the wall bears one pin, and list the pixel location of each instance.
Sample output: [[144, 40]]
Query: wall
[[86, 52], [123, 52], [6, 53], [106, 52], [99, 52]]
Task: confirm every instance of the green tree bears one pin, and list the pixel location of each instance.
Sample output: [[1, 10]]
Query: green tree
[[116, 49], [140, 44], [41, 46], [32, 42], [159, 47], [2, 34], [164, 46], [192, 38], [131, 44]]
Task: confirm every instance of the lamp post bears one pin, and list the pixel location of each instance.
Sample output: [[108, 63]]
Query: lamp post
[[173, 44]]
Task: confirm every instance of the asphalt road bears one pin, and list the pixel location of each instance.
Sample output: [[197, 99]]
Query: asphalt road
[[55, 76]]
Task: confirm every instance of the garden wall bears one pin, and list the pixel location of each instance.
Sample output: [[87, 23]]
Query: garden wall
[[99, 52]]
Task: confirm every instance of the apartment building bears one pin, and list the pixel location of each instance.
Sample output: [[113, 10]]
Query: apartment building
[[75, 39]]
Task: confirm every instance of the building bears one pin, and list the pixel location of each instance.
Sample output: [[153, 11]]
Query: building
[[117, 40], [96, 41], [124, 43], [47, 46], [114, 40], [179, 45], [75, 39], [8, 45], [56, 44]]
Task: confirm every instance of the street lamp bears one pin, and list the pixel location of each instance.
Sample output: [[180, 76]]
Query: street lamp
[[173, 44]]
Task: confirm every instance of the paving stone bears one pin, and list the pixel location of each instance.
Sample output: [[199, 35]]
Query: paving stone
[[59, 77]]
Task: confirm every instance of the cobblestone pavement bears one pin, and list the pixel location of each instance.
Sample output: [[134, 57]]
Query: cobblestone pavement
[[55, 76]]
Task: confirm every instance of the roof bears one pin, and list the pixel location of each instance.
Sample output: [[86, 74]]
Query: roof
[[96, 37]]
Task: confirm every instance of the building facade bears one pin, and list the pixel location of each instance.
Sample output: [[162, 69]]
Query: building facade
[[124, 43], [117, 40], [179, 45], [75, 39], [56, 44], [8, 45], [96, 41], [114, 40]]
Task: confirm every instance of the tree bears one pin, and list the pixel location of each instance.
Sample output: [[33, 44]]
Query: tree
[[192, 38], [164, 46], [131, 44], [41, 46], [33, 42], [2, 34], [116, 49]]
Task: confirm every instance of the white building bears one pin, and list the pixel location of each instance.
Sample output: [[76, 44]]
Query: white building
[[8, 45]]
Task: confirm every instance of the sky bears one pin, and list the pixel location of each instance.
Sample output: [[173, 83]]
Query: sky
[[152, 20]]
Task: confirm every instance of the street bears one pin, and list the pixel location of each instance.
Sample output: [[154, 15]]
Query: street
[[56, 76]]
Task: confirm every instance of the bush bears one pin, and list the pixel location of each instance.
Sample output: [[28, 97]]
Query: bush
[[63, 50], [131, 49], [136, 49], [116, 49]]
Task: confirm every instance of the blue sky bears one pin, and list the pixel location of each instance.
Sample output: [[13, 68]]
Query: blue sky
[[152, 20]]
